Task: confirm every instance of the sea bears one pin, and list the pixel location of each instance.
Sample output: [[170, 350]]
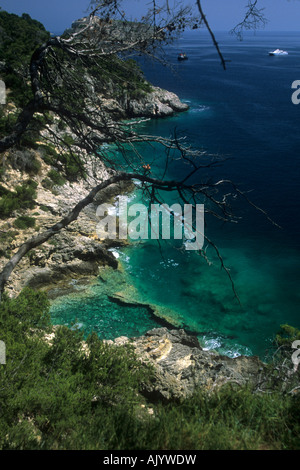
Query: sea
[[243, 118]]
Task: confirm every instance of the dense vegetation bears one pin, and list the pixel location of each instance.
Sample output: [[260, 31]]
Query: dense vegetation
[[21, 198], [61, 393], [56, 395], [119, 75], [19, 37]]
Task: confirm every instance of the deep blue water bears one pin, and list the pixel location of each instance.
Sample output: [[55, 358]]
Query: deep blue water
[[246, 115]]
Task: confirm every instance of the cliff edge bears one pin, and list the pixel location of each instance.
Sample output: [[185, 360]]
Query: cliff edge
[[181, 366]]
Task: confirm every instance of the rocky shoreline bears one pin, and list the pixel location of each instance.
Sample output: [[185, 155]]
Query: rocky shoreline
[[158, 103], [76, 252], [181, 366]]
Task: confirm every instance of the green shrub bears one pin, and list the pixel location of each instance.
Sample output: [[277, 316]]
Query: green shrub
[[61, 395], [7, 123], [44, 208], [58, 385], [72, 166], [19, 38], [47, 183], [7, 205], [56, 177], [28, 140], [287, 335], [23, 222], [50, 155], [6, 239], [23, 197], [26, 193]]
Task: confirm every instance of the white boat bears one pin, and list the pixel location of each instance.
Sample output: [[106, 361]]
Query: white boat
[[278, 52]]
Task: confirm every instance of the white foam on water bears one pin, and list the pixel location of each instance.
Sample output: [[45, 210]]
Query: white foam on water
[[199, 109], [224, 347], [114, 252]]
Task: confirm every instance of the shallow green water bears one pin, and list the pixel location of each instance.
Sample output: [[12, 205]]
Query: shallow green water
[[91, 309], [192, 294]]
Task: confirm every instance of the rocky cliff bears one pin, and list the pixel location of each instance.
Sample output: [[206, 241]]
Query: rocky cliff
[[181, 366], [76, 252], [158, 103]]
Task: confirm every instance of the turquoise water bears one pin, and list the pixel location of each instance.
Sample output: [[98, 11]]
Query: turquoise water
[[244, 114], [91, 309]]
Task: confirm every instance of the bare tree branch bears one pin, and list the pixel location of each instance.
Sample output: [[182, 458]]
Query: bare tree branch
[[253, 19], [203, 18]]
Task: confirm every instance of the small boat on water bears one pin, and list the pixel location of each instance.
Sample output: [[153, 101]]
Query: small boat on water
[[278, 52], [182, 56]]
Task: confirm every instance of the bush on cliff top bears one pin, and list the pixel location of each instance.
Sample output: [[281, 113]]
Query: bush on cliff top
[[55, 396], [50, 391], [19, 37]]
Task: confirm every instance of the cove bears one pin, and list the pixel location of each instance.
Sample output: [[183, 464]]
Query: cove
[[234, 115]]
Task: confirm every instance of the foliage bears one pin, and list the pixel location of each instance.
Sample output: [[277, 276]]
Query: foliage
[[69, 164], [229, 419], [67, 393], [6, 122], [58, 394], [56, 177], [6, 237], [21, 198], [121, 75], [24, 222], [44, 208], [287, 335], [18, 39], [47, 183]]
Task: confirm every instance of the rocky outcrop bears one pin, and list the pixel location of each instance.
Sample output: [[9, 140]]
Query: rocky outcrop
[[182, 367], [122, 103], [74, 253], [158, 103], [114, 31]]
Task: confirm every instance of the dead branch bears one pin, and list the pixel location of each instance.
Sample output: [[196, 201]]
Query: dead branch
[[253, 19], [204, 19]]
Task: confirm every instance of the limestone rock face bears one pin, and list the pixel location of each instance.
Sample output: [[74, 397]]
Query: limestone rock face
[[182, 366], [76, 252], [158, 103]]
